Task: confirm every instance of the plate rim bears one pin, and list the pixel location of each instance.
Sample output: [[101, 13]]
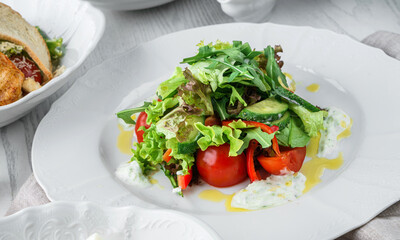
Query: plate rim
[[34, 210]]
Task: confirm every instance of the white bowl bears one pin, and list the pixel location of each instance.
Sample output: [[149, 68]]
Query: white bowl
[[248, 10], [78, 23], [127, 4], [78, 220]]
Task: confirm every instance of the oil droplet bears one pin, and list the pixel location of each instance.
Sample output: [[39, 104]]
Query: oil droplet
[[314, 168], [214, 195], [288, 75], [312, 148], [347, 132], [124, 141], [313, 87], [155, 182]]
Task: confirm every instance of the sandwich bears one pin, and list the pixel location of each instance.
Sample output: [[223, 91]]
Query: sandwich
[[24, 54]]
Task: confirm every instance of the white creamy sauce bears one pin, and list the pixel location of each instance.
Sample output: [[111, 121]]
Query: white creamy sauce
[[273, 191], [131, 174], [336, 122]]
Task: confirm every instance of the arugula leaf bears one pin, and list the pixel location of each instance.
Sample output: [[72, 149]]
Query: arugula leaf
[[220, 107], [169, 87], [126, 114], [273, 69]]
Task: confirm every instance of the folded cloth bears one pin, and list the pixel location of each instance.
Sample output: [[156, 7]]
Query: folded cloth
[[30, 194], [385, 226]]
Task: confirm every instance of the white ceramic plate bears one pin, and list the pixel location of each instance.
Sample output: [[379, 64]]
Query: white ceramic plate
[[81, 127], [81, 27], [70, 221], [127, 4]]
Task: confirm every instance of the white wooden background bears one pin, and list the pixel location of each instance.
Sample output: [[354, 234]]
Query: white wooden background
[[125, 30]]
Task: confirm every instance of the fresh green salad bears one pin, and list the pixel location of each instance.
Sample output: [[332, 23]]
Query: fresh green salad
[[228, 114]]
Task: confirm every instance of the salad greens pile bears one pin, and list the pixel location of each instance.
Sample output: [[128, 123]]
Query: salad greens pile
[[227, 81], [55, 45]]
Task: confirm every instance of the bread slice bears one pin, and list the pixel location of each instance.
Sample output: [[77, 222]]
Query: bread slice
[[11, 79], [14, 28]]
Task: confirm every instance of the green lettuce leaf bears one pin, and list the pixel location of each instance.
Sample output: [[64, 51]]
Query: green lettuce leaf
[[293, 135], [157, 109], [313, 121], [184, 160], [213, 77], [262, 138], [169, 87], [196, 94], [149, 152], [217, 135], [55, 45], [297, 136]]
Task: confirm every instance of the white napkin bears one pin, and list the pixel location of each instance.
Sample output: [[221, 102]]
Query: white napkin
[[385, 226]]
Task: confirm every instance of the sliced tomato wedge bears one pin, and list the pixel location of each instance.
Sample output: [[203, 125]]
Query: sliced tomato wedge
[[290, 159]]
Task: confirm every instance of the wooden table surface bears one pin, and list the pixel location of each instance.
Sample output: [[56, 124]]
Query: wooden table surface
[[125, 30]]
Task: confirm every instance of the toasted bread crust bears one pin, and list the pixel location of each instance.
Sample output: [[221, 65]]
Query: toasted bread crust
[[11, 79], [14, 28]]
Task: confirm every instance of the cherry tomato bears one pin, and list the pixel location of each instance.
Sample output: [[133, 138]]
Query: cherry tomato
[[141, 121], [27, 67], [218, 169], [212, 120], [290, 159]]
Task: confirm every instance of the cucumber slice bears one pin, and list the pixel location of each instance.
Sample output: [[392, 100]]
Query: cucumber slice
[[190, 146], [281, 122], [291, 97], [267, 110]]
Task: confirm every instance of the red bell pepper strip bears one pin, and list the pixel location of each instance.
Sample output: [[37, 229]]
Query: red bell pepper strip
[[184, 180], [264, 128], [251, 170], [167, 157]]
